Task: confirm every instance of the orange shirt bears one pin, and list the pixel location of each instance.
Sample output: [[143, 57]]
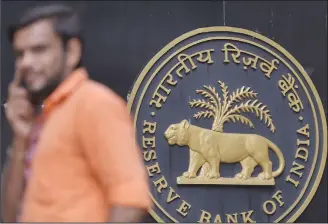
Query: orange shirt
[[87, 159]]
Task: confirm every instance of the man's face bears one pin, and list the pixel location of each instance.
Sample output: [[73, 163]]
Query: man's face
[[40, 57]]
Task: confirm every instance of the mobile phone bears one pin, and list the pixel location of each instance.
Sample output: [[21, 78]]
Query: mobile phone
[[24, 85], [33, 98]]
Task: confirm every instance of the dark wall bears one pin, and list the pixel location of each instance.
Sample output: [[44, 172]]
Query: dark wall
[[121, 37]]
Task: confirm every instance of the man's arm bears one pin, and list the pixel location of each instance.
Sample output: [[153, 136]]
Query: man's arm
[[12, 181], [20, 115], [110, 147]]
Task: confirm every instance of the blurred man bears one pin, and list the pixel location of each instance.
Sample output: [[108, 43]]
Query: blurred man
[[76, 159]]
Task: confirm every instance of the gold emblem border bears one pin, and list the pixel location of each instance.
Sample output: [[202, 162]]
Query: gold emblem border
[[296, 64]]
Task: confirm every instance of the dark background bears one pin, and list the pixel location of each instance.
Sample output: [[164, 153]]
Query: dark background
[[122, 36]]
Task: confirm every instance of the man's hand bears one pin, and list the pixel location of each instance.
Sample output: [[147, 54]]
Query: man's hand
[[19, 110], [126, 214]]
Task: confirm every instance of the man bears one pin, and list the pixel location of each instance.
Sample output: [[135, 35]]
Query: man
[[76, 160]]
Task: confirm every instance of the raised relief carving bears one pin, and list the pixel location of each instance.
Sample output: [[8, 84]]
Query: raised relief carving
[[210, 148]]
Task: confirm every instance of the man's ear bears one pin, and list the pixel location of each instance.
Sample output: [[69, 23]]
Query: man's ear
[[74, 52]]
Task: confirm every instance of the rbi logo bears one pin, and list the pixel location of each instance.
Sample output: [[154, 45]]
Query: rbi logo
[[231, 129]]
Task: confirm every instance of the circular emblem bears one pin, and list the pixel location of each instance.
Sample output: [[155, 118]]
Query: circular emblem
[[231, 129]]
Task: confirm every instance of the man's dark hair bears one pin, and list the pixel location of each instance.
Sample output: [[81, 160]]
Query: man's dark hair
[[66, 22]]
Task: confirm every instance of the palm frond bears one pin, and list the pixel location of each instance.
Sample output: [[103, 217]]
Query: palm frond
[[202, 104], [240, 94], [208, 95], [225, 92], [205, 114], [214, 94], [255, 107], [236, 117]]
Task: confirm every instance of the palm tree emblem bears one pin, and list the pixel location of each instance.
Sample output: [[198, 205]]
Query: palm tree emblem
[[230, 107]]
